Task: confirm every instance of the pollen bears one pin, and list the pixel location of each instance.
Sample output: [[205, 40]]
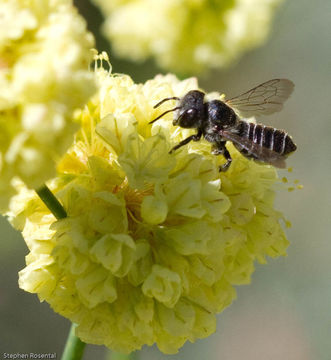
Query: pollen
[[133, 200]]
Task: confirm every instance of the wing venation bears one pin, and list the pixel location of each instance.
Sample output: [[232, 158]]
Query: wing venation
[[263, 99]]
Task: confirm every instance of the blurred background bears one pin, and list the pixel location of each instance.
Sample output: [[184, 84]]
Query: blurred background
[[286, 311]]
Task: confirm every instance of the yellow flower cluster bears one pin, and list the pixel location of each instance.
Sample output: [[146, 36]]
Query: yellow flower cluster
[[186, 36], [154, 242], [44, 57]]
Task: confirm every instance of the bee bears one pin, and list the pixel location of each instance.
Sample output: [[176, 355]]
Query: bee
[[222, 121]]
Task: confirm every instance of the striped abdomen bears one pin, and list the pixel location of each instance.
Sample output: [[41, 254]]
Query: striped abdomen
[[267, 137]]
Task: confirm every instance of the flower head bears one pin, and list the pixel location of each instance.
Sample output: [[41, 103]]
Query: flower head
[[154, 242], [186, 36], [45, 52]]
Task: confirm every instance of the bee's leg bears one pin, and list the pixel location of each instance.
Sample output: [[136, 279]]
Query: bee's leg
[[220, 149], [195, 137], [228, 158]]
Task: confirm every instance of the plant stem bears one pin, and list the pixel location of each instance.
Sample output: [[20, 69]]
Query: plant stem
[[51, 202], [74, 347]]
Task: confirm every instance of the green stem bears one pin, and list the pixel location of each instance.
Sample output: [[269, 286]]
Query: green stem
[[74, 347], [51, 202]]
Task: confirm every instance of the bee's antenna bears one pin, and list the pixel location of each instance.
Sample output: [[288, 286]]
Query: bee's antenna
[[166, 112], [164, 100]]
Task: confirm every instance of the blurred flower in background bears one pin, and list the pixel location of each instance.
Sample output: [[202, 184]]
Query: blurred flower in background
[[186, 36], [153, 243], [45, 52]]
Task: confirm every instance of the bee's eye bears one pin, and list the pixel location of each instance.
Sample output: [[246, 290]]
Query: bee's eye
[[188, 118], [190, 114]]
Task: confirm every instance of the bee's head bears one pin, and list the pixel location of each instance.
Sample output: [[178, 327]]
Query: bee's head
[[190, 111]]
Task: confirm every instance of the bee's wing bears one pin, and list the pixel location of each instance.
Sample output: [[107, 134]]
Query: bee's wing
[[261, 153], [264, 99]]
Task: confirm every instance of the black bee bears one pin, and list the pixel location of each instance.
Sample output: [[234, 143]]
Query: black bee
[[218, 122]]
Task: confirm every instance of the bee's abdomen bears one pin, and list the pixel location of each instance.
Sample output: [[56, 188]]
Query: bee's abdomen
[[268, 137]]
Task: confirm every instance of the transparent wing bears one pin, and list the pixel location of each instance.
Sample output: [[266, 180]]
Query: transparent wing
[[261, 153], [264, 99]]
